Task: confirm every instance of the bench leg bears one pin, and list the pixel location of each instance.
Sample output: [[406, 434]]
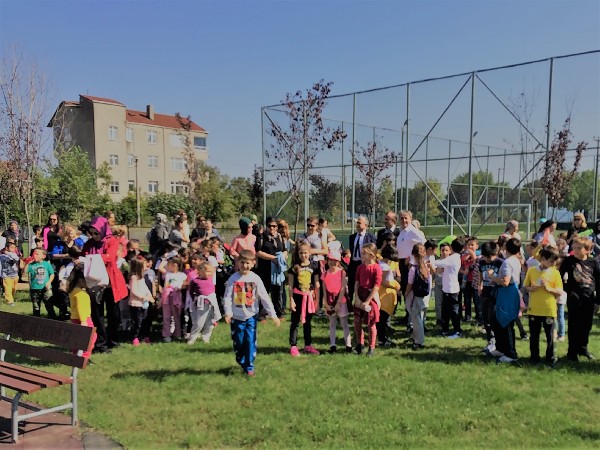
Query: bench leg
[[74, 418], [15, 417]]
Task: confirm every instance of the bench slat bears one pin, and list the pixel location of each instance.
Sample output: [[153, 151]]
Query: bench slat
[[61, 379], [19, 385], [44, 353], [62, 334], [35, 379]]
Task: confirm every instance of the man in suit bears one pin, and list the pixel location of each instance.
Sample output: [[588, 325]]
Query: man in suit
[[355, 243], [390, 220]]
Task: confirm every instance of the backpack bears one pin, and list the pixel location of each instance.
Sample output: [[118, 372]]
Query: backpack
[[420, 286]]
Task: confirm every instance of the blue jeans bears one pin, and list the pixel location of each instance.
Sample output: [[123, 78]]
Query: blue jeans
[[243, 334], [561, 320]]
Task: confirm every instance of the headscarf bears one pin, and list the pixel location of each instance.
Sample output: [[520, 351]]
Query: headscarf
[[244, 225]]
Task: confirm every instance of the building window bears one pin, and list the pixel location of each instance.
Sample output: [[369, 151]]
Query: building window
[[178, 164], [131, 185], [113, 160], [152, 161], [129, 135], [200, 142], [152, 137], [178, 187], [131, 160], [153, 187], [177, 141], [114, 187], [113, 133]]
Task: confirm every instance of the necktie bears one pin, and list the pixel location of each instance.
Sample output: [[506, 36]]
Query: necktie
[[357, 247]]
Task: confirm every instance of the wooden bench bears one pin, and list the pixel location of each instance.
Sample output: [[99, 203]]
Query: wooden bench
[[25, 380]]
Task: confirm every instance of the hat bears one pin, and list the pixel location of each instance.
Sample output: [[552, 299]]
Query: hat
[[253, 217], [334, 256], [161, 217], [543, 220], [512, 224]]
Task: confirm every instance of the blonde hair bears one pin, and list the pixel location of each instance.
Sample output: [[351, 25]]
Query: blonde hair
[[370, 249], [118, 230], [582, 217]]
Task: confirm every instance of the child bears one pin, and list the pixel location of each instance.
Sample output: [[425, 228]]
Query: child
[[563, 247], [388, 292], [583, 296], [419, 288], [335, 284], [243, 290], [171, 299], [10, 271], [40, 274], [544, 286], [151, 282], [304, 286], [81, 307], [444, 251], [467, 261], [204, 308], [140, 298], [489, 264], [346, 258], [449, 268], [366, 298], [430, 249]]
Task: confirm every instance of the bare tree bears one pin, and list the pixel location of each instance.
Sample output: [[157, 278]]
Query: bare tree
[[556, 178], [298, 143], [191, 162], [24, 107]]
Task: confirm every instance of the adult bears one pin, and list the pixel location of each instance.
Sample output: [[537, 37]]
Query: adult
[[211, 231], [272, 258], [177, 236], [408, 236], [390, 220], [512, 230], [105, 299], [318, 244], [545, 234], [53, 244], [326, 233], [111, 219], [596, 239], [200, 231], [13, 233], [283, 228], [181, 214], [356, 241], [243, 241], [158, 236], [578, 226], [51, 232]]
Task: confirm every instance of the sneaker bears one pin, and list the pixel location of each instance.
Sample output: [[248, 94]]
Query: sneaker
[[186, 336], [358, 350], [250, 373], [11, 304], [561, 339], [167, 339], [311, 350], [454, 335], [192, 340], [332, 349], [294, 351], [348, 349], [371, 352], [588, 355], [136, 342], [524, 337], [146, 340], [573, 358], [496, 354], [505, 359]]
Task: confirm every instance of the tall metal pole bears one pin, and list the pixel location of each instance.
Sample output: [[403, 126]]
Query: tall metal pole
[[470, 198], [595, 202], [487, 180], [306, 211], [407, 124], [353, 158], [449, 219], [264, 169], [401, 171], [344, 206], [137, 196], [548, 122], [374, 199], [426, 180]]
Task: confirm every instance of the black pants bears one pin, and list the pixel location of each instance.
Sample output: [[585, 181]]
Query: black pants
[[488, 311], [450, 312], [581, 316], [295, 321], [535, 327], [382, 327], [352, 278], [276, 299], [505, 338], [470, 298], [103, 301], [137, 316], [37, 297]]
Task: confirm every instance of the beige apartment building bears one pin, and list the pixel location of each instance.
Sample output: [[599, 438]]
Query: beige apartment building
[[142, 148]]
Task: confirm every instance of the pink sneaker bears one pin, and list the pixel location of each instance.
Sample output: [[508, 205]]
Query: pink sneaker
[[136, 342], [146, 340], [294, 351], [311, 350]]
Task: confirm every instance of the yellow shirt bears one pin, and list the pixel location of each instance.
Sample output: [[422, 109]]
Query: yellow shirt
[[541, 302], [81, 308]]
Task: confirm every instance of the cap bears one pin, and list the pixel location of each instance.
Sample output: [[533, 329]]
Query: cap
[[335, 256], [253, 217]]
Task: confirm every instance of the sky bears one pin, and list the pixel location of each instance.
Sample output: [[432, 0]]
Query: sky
[[221, 61]]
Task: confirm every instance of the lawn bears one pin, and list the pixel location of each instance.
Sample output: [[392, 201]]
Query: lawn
[[445, 396]]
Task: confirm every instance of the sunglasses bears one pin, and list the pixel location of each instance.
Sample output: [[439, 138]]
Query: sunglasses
[[95, 233], [273, 225], [309, 225]]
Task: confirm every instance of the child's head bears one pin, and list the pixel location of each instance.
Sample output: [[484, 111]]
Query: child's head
[[137, 267], [39, 254], [418, 250], [389, 253], [430, 246], [489, 250], [581, 247], [205, 270], [301, 252], [215, 244], [133, 245], [206, 247], [118, 230], [445, 250], [513, 246], [561, 244], [146, 257], [457, 245], [531, 246], [548, 257], [37, 230], [246, 261], [368, 253], [196, 259], [174, 264], [11, 246], [472, 243], [39, 243], [333, 259], [184, 255], [76, 279], [346, 253], [388, 239]]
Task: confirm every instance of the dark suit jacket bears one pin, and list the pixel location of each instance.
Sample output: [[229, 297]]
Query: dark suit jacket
[[369, 239], [382, 231]]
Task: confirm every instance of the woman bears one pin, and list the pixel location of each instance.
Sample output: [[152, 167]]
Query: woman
[[579, 226], [51, 232], [545, 235], [243, 241], [271, 258], [596, 239], [13, 233], [107, 246], [283, 229], [177, 237], [512, 230]]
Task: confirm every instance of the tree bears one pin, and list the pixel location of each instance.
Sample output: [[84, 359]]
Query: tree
[[298, 143], [191, 162], [372, 162], [580, 195], [23, 107], [168, 204], [556, 179], [325, 196], [416, 200]]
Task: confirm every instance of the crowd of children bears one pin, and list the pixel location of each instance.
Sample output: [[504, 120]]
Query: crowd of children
[[193, 286]]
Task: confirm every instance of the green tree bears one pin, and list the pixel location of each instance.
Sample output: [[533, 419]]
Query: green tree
[[580, 195], [168, 204], [419, 194], [325, 197]]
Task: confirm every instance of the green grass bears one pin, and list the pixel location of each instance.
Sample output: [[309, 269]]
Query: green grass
[[445, 396]]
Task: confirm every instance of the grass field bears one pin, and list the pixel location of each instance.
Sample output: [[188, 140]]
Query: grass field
[[445, 396]]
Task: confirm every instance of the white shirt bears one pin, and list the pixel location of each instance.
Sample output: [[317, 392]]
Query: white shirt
[[451, 266], [407, 239]]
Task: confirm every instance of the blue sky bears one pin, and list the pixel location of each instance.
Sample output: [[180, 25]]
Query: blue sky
[[220, 61]]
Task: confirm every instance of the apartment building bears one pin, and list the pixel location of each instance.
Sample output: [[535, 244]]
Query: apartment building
[[143, 149]]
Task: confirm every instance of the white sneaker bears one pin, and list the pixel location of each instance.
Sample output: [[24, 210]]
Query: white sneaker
[[506, 359], [496, 354]]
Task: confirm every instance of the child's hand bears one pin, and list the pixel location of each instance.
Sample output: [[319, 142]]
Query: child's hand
[[227, 320], [48, 285], [292, 305], [276, 321]]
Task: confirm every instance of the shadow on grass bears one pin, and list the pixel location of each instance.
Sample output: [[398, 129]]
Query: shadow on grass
[[162, 375], [584, 434], [261, 350]]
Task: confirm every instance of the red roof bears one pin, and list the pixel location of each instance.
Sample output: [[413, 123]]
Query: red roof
[[161, 120], [100, 99]]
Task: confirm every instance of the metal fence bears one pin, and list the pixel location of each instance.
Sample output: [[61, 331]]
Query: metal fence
[[475, 138]]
